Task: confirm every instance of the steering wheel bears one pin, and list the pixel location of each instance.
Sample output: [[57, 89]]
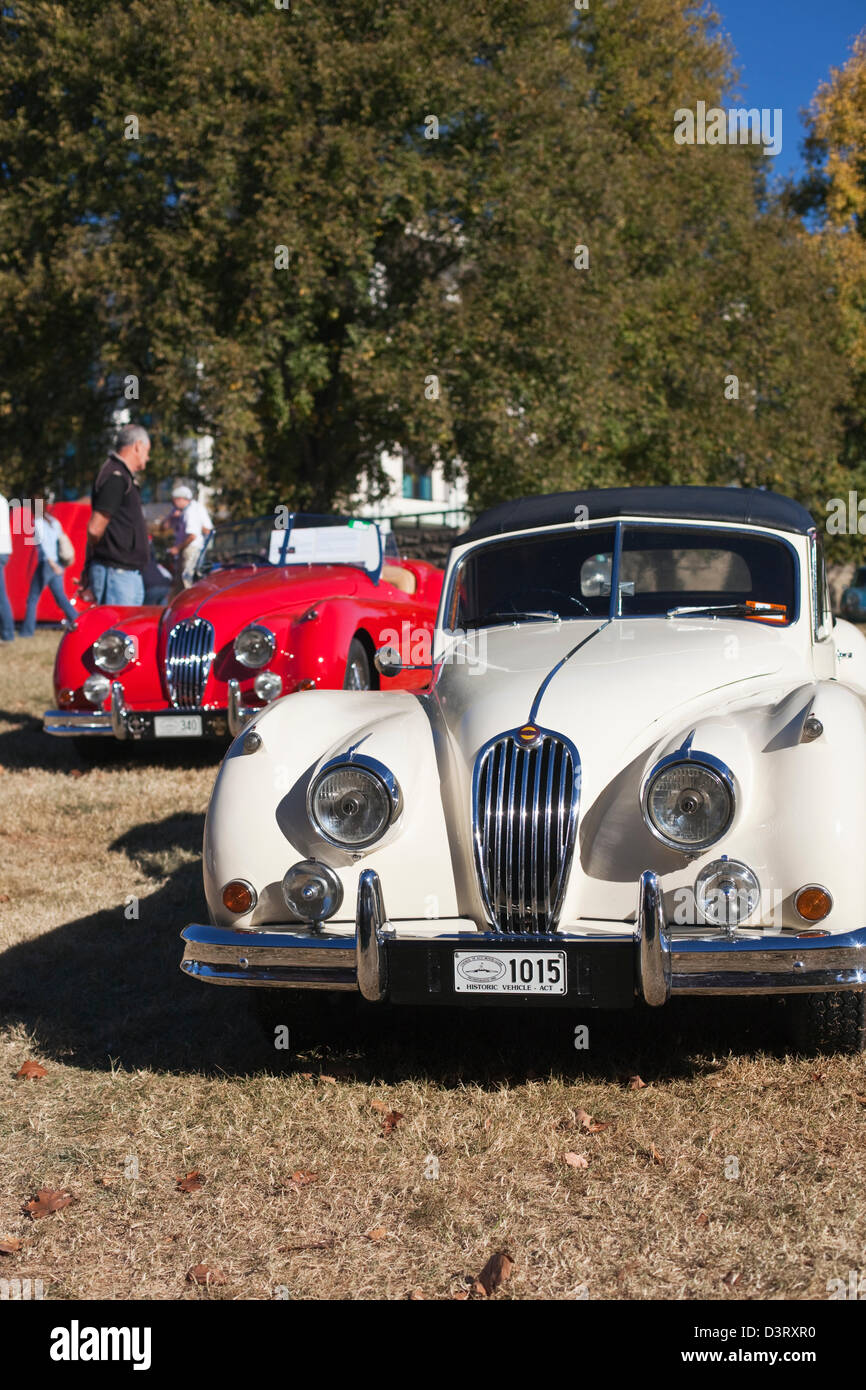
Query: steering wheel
[[551, 593]]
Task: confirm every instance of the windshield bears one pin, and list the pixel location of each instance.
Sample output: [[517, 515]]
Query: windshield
[[301, 539], [568, 574]]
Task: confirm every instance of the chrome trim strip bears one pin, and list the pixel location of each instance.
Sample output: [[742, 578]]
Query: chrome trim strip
[[539, 694]]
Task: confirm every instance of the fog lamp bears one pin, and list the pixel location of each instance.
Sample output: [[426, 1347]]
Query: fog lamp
[[96, 689], [727, 892], [813, 902], [312, 891], [239, 896], [268, 685]]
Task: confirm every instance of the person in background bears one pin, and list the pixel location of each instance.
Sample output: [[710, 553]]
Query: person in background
[[7, 624], [192, 526], [48, 572], [117, 545]]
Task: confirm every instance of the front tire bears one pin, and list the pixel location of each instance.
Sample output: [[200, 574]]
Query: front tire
[[834, 1021], [358, 673]]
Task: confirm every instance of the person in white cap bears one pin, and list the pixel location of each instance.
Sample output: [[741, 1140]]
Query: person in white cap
[[192, 526]]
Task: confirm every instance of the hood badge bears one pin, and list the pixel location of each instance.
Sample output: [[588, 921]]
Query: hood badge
[[528, 735]]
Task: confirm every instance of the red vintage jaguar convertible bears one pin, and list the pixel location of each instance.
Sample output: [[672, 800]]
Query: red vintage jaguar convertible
[[275, 609]]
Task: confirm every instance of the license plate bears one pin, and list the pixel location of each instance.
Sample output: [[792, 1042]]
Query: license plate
[[509, 972], [177, 725]]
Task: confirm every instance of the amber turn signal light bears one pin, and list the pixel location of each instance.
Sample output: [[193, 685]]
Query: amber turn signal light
[[66, 698], [239, 896], [813, 903]]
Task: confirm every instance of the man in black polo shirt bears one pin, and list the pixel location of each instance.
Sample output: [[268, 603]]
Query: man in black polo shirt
[[116, 533]]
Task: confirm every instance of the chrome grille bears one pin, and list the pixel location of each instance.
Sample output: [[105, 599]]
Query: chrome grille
[[525, 799], [189, 655]]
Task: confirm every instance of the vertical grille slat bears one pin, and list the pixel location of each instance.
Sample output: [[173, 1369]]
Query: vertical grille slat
[[525, 820], [189, 655]]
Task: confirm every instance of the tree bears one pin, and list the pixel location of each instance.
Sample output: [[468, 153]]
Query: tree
[[319, 231], [835, 191]]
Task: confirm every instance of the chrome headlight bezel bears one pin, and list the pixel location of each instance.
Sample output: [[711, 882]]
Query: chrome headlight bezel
[[270, 643], [125, 651], [381, 776], [707, 763]]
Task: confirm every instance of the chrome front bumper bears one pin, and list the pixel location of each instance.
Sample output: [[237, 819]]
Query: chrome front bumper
[[68, 723], [647, 963]]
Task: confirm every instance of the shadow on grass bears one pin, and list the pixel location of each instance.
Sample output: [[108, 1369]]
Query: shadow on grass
[[107, 987]]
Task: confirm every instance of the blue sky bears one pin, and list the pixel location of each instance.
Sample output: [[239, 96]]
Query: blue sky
[[785, 48]]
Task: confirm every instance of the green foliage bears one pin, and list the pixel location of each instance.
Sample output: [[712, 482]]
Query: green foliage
[[408, 258]]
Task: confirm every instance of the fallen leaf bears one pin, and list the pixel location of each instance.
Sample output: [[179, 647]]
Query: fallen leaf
[[636, 1084], [416, 1295], [391, 1121], [192, 1182], [861, 1099], [463, 1294], [494, 1273], [203, 1274], [332, 1080], [47, 1201], [32, 1071], [585, 1121], [377, 1233], [819, 1076], [4, 898], [9, 1245], [76, 772], [109, 1181], [731, 1278], [655, 1155], [380, 1105], [307, 1075], [702, 1218], [575, 1160], [302, 1178]]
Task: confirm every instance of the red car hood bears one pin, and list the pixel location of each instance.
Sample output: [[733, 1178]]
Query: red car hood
[[232, 598]]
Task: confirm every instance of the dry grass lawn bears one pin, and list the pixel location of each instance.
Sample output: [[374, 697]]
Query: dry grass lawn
[[736, 1172]]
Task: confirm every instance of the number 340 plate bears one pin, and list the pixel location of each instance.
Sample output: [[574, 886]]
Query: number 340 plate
[[509, 972]]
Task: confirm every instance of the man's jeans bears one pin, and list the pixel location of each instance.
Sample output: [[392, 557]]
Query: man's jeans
[[113, 585], [44, 577], [7, 623]]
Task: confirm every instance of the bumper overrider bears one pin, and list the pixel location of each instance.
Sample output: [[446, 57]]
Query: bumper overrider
[[602, 972]]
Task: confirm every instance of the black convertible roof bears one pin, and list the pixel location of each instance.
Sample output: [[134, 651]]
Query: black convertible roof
[[737, 504]]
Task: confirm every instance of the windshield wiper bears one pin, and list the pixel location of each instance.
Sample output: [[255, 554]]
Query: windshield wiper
[[516, 616], [768, 612]]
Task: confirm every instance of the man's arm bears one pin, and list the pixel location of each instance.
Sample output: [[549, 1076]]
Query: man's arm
[[96, 528]]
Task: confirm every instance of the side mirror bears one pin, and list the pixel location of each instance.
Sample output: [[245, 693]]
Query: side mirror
[[388, 662]]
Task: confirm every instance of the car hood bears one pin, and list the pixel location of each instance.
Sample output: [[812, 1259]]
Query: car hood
[[237, 597], [623, 689]]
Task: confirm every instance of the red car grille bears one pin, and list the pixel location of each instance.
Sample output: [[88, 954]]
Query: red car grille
[[189, 656]]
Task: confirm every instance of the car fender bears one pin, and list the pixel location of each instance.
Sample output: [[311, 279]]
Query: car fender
[[257, 825]]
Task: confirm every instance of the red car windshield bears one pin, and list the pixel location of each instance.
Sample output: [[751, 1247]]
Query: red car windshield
[[294, 539]]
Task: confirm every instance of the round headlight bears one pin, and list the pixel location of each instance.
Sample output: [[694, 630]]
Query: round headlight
[[113, 650], [268, 685], [688, 805], [727, 892], [353, 806], [255, 646], [96, 689]]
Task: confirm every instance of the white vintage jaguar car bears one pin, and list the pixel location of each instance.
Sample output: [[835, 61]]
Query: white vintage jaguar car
[[637, 773]]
